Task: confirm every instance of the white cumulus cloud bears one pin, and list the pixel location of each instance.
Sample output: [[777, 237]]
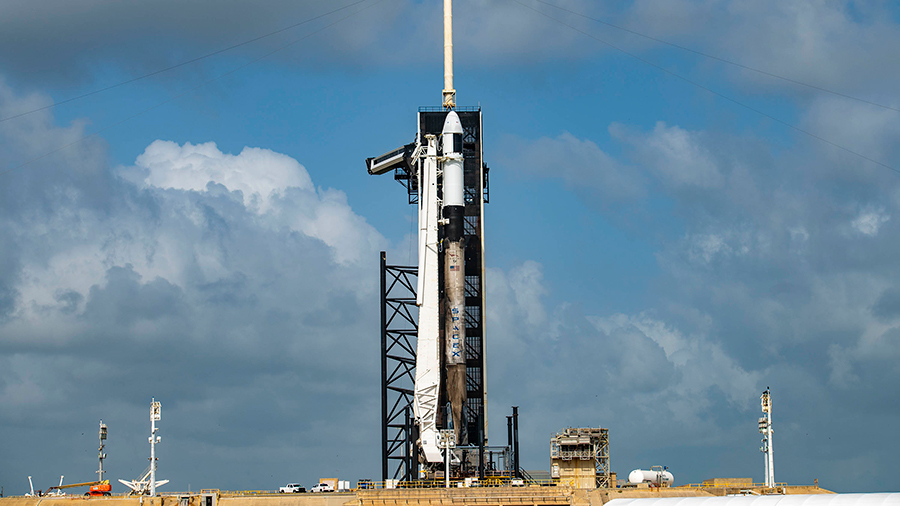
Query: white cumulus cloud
[[271, 184], [259, 174]]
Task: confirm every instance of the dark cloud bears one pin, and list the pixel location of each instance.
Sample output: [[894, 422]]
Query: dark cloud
[[887, 307], [69, 300], [843, 46], [124, 300], [7, 300], [61, 43]]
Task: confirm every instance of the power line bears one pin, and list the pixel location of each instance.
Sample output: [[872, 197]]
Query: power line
[[195, 88], [723, 60], [714, 92], [182, 64]]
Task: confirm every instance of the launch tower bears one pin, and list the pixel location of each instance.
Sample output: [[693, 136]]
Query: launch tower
[[432, 317]]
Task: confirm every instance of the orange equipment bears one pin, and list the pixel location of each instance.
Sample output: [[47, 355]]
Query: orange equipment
[[101, 488], [98, 488]]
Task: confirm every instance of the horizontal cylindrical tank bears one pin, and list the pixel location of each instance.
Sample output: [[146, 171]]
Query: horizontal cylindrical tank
[[658, 477]]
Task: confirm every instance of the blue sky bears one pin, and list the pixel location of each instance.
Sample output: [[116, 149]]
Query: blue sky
[[657, 256]]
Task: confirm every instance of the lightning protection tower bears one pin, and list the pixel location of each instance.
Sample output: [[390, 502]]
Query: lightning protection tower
[[433, 313]]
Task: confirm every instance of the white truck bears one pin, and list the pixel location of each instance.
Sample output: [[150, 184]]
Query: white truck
[[322, 487], [291, 488]]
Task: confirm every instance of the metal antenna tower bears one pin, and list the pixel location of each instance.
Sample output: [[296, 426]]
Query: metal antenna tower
[[154, 417], [103, 432], [765, 428]]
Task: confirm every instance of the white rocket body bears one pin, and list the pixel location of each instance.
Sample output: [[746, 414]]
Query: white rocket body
[[454, 255]]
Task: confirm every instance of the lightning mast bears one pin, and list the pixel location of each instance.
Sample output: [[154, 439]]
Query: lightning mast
[[449, 94]]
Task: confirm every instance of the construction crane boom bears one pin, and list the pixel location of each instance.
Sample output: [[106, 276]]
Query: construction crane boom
[[73, 485]]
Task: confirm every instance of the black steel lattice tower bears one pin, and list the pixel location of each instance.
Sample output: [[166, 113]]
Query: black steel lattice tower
[[398, 364]]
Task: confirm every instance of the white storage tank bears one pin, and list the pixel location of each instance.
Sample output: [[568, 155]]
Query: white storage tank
[[655, 477]]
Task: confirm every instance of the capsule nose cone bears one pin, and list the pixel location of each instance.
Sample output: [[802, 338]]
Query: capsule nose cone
[[452, 124]]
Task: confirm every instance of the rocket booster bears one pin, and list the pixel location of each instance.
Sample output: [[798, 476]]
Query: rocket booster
[[454, 270], [453, 211]]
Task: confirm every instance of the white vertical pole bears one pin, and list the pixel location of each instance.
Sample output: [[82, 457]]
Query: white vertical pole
[[449, 94], [154, 416], [765, 427], [446, 466], [771, 461], [102, 445], [152, 457]]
